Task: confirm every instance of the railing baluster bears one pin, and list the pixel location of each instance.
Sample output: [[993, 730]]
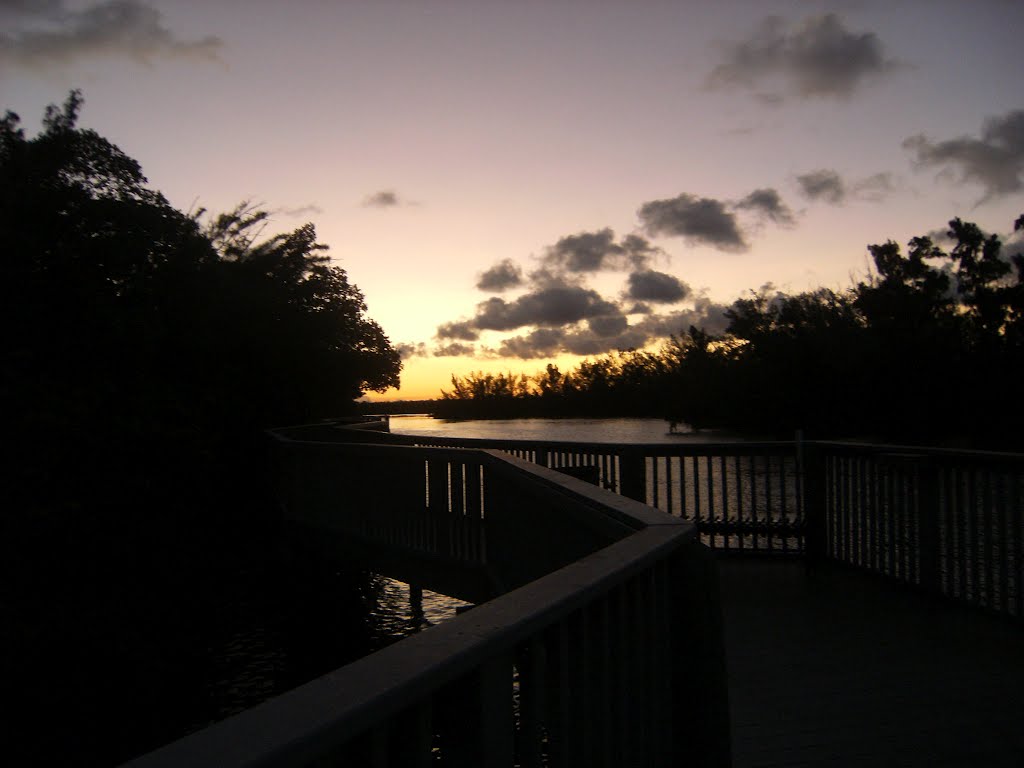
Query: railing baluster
[[712, 516], [769, 512], [668, 485], [655, 489], [990, 545], [751, 463], [725, 500], [1005, 604], [738, 484], [696, 491], [783, 506]]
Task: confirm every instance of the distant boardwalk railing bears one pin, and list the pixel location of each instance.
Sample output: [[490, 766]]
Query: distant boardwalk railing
[[602, 646], [947, 521], [951, 522]]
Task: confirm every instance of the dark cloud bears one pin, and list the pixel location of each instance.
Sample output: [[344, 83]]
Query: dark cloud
[[768, 203], [608, 325], [648, 285], [455, 349], [826, 185], [584, 252], [597, 251], [995, 161], [405, 351], [823, 184], [615, 334], [554, 306], [462, 330], [640, 251], [705, 314], [543, 342], [502, 276], [47, 33], [818, 57], [700, 220], [385, 198]]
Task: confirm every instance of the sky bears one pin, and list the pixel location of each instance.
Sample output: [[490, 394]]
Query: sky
[[517, 183]]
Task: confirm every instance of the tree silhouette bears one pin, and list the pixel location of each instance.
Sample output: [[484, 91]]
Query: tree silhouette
[[145, 350], [125, 319], [922, 349]]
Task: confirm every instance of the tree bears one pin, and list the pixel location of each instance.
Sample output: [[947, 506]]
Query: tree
[[127, 323]]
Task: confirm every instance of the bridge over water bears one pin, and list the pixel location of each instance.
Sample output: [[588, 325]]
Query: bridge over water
[[767, 604]]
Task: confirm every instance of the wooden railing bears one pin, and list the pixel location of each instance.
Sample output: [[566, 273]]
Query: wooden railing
[[606, 652], [946, 521], [950, 522], [740, 496]]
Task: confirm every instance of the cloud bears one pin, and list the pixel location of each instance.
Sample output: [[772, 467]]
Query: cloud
[[455, 349], [47, 33], [648, 285], [823, 184], [817, 58], [616, 334], [584, 252], [302, 210], [596, 251], [874, 188], [543, 342], [502, 276], [995, 161], [827, 186], [699, 220], [608, 325], [552, 306], [767, 203], [405, 351], [385, 198], [462, 330]]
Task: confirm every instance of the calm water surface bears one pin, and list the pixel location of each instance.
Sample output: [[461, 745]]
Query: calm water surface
[[575, 430]]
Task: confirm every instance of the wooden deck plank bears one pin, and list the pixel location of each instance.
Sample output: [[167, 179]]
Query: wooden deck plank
[[833, 667]]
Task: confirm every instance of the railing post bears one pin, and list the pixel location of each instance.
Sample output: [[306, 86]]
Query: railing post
[[814, 503], [929, 541], [633, 474]]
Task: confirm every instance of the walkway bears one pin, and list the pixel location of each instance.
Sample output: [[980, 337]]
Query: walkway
[[839, 669]]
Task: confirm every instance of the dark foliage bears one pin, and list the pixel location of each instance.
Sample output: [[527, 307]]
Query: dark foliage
[[146, 350]]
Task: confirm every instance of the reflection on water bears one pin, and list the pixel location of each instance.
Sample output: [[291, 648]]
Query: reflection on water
[[570, 430], [271, 640], [396, 614]]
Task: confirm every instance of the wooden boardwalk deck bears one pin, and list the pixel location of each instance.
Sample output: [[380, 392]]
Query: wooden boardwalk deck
[[836, 668]]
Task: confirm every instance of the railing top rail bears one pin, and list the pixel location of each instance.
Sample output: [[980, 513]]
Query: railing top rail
[[917, 451], [715, 448], [602, 502], [328, 711], [612, 505]]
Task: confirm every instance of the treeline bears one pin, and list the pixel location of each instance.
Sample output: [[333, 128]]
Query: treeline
[[929, 347]]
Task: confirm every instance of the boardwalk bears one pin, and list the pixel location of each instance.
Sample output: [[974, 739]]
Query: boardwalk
[[839, 669]]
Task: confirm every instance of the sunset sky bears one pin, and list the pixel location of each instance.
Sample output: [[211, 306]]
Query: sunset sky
[[513, 183]]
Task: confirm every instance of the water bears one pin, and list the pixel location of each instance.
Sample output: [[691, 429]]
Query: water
[[581, 430]]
